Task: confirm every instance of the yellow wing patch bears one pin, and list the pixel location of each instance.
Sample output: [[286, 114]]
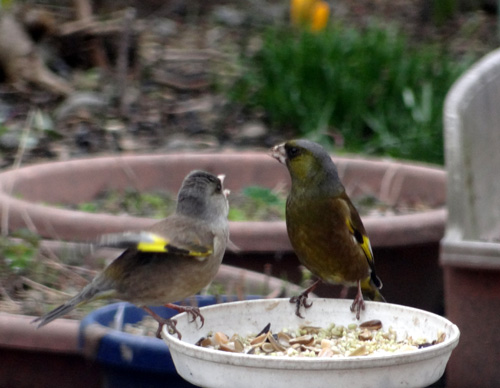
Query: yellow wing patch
[[156, 243], [153, 243], [199, 253], [367, 248], [362, 240]]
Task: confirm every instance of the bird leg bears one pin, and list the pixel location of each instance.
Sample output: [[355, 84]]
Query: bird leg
[[301, 300], [343, 292], [358, 303], [162, 322], [194, 312]]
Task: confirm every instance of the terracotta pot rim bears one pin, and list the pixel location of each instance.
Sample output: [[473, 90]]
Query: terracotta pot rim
[[405, 229], [17, 332], [470, 254]]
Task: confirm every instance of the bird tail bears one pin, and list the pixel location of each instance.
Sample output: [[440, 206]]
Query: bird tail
[[82, 297], [371, 291]]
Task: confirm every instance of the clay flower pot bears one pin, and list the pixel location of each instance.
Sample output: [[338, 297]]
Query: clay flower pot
[[472, 297], [406, 247], [470, 252], [43, 358]]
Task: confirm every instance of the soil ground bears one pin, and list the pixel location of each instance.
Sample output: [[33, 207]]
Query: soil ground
[[181, 53]]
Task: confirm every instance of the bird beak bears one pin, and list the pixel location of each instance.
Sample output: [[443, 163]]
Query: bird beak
[[278, 152], [226, 192]]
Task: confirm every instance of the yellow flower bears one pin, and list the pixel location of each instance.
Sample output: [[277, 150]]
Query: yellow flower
[[309, 13], [320, 14], [300, 11]]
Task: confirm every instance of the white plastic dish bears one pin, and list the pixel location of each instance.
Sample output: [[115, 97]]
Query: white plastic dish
[[217, 369]]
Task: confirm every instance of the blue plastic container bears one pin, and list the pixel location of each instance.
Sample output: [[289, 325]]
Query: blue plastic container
[[129, 360]]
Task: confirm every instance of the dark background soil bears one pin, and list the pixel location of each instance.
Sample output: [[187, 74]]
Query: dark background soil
[[181, 53]]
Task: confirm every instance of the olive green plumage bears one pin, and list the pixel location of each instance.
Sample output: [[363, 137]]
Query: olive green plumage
[[172, 260], [323, 225]]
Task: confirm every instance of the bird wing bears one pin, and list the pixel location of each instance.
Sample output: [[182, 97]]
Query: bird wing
[[170, 237], [356, 228]]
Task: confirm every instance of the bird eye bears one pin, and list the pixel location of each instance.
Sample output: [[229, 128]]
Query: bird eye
[[219, 187], [292, 152]]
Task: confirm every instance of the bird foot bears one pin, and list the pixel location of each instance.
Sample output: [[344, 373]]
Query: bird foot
[[172, 329], [170, 323], [192, 311], [301, 299], [357, 305]]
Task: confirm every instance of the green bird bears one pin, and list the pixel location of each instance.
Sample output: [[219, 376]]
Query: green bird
[[172, 260], [323, 225]]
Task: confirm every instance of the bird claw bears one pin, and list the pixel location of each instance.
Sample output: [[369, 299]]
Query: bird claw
[[171, 325], [301, 300], [357, 305], [193, 312]]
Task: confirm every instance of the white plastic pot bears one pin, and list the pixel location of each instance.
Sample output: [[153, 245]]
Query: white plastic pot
[[217, 369]]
